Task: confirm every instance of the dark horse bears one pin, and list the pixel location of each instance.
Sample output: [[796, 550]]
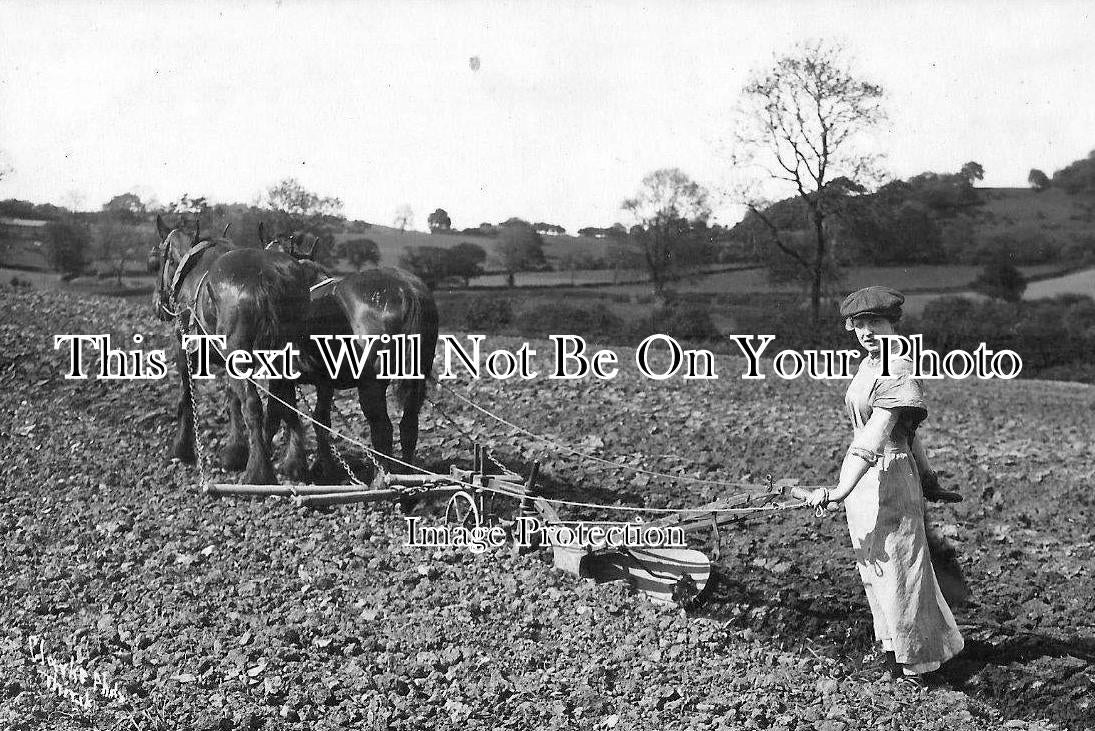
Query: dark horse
[[376, 302], [255, 299]]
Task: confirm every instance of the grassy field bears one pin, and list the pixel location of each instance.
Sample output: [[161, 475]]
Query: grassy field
[[1082, 282], [1025, 214]]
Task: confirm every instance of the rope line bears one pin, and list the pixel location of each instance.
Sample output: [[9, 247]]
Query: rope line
[[518, 495], [499, 491]]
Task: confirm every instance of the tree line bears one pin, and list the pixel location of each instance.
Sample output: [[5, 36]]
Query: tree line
[[816, 200]]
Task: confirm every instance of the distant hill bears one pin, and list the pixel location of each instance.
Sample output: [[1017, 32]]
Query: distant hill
[[935, 219], [1051, 218]]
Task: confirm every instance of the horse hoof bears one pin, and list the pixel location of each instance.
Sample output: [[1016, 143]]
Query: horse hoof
[[234, 457], [323, 473], [258, 477], [295, 469], [184, 453]]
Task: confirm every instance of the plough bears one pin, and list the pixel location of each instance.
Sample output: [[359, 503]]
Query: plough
[[672, 574]]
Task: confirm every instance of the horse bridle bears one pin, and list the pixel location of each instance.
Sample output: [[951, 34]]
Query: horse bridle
[[164, 312], [169, 295]]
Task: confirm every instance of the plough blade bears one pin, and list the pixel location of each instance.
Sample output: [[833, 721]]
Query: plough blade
[[666, 575]]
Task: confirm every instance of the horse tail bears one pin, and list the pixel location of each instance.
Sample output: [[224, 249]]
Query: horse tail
[[420, 318]]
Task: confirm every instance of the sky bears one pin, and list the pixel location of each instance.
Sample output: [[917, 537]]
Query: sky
[[569, 105]]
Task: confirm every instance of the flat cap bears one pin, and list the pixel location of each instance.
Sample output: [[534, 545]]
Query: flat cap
[[883, 301]]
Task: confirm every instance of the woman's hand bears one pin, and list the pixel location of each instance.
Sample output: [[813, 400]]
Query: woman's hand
[[819, 498]]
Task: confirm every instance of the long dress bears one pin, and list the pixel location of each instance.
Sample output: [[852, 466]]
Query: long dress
[[886, 521]]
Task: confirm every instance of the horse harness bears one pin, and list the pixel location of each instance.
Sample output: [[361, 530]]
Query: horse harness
[[326, 288], [171, 296]]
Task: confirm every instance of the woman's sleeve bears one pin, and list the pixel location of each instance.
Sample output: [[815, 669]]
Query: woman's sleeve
[[902, 392]]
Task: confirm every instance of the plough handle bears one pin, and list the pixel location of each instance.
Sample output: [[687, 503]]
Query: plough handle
[[800, 493]]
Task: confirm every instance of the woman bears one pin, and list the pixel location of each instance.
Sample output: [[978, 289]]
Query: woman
[[881, 486]]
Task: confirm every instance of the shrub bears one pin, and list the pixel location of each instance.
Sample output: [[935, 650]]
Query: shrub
[[485, 314], [68, 246], [792, 325], [592, 321], [1053, 336], [689, 322], [1001, 280]]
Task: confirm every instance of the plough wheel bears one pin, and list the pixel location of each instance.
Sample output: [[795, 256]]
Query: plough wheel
[[462, 510]]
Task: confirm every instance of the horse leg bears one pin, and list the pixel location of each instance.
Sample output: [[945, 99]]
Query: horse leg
[[235, 453], [412, 399], [294, 464], [375, 407], [183, 446], [275, 415], [258, 470], [324, 468]]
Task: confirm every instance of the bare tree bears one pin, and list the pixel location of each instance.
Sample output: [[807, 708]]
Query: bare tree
[[803, 123], [666, 209], [404, 217]]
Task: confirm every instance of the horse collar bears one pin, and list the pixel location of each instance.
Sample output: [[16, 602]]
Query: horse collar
[[190, 258]]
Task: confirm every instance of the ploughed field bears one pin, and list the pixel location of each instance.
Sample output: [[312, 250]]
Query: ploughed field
[[236, 613]]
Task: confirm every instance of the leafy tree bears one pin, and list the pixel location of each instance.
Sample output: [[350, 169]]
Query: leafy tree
[[465, 260], [300, 206], [188, 205], [127, 207], [972, 172], [615, 231], [548, 228], [667, 208], [804, 118], [404, 218], [427, 262], [1038, 180], [25, 209], [68, 245], [359, 252], [117, 243], [439, 221], [1001, 280], [310, 218], [1077, 176], [946, 193], [887, 230], [520, 248]]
